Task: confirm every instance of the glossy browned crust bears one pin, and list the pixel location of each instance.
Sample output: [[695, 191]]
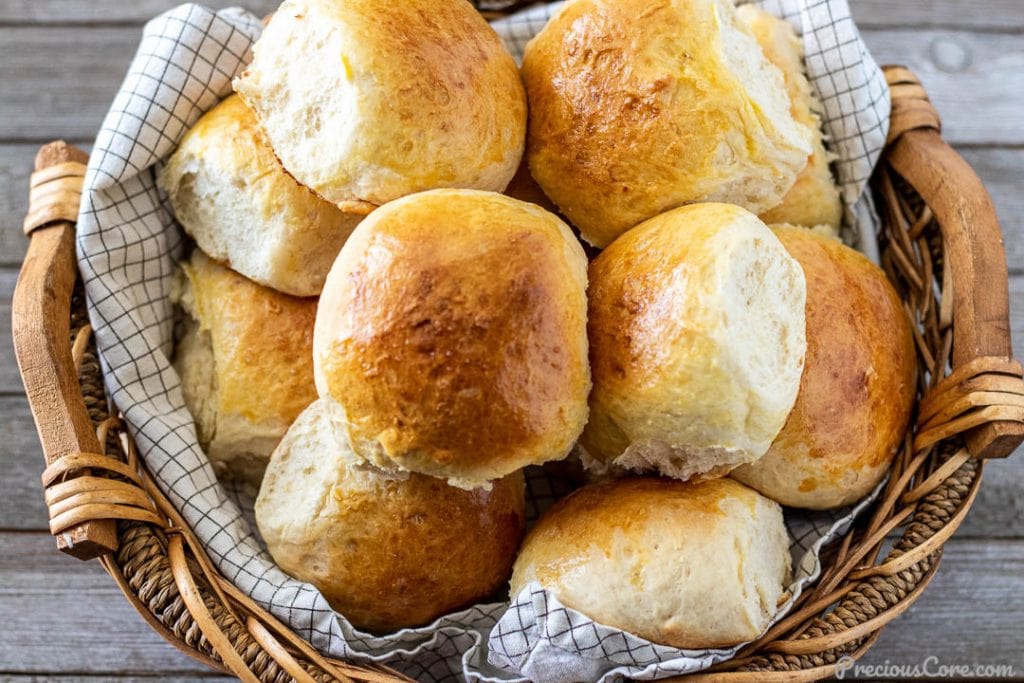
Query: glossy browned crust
[[858, 385], [407, 552], [453, 333], [262, 342]]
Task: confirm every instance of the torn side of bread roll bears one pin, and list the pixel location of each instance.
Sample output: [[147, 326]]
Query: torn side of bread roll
[[814, 198], [387, 550], [230, 193], [690, 565], [245, 361]]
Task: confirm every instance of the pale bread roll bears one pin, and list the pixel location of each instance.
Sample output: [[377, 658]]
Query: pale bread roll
[[858, 385], [697, 343], [691, 565], [452, 332], [387, 551], [230, 193], [245, 361], [368, 101], [814, 198], [639, 107]]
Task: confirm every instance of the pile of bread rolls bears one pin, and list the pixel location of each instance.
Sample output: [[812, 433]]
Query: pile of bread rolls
[[380, 340]]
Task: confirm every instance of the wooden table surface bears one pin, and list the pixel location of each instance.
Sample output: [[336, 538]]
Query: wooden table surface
[[60, 64]]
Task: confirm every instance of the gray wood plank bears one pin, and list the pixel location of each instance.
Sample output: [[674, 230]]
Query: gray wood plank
[[114, 678], [60, 615], [79, 622], [985, 14], [974, 79], [59, 82], [88, 12], [1001, 170], [1001, 15]]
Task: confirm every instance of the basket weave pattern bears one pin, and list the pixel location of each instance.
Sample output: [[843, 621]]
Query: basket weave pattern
[[976, 411]]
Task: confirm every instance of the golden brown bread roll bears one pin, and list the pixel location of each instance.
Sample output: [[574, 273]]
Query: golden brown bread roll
[[231, 194], [814, 198], [639, 107], [697, 343], [387, 551], [245, 362], [690, 565], [857, 388], [452, 331], [368, 101]]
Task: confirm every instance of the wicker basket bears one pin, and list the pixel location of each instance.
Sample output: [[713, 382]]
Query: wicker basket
[[941, 246]]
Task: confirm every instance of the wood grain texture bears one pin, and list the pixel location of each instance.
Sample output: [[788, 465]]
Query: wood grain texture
[[92, 12], [71, 604], [999, 15], [40, 329], [10, 380], [21, 505], [65, 93], [974, 79], [1001, 170]]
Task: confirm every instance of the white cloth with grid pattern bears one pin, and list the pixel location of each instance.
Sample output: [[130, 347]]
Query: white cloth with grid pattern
[[127, 246]]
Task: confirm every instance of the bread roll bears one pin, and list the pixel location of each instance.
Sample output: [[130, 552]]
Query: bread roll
[[638, 107], [231, 194], [683, 564], [697, 343], [814, 198], [386, 551], [858, 386], [246, 364], [367, 101], [452, 331]]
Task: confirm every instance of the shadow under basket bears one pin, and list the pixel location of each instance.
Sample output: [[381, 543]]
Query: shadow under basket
[[941, 247]]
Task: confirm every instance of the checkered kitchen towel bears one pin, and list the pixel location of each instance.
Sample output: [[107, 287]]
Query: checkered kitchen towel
[[127, 245]]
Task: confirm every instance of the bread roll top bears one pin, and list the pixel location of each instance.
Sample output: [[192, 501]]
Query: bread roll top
[[681, 564], [639, 107], [452, 331]]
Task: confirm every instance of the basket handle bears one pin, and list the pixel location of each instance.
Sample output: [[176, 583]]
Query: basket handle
[[40, 322], [973, 245]]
